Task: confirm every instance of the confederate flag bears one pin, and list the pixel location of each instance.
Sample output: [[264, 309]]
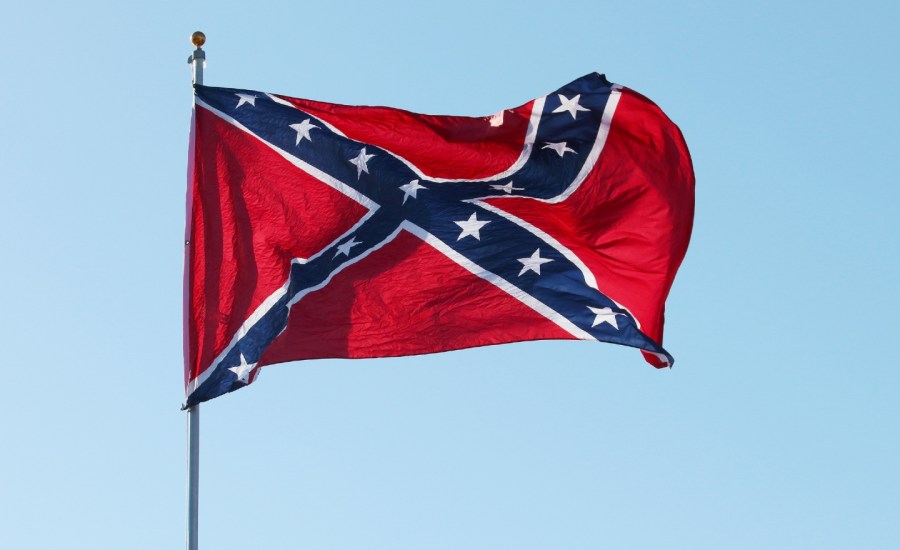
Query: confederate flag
[[319, 230]]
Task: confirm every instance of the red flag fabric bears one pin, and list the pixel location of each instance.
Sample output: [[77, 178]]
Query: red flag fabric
[[319, 230]]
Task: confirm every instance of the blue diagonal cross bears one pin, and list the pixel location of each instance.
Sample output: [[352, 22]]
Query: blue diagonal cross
[[561, 145]]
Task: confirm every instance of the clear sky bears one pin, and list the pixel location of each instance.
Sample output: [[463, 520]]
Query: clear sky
[[777, 428]]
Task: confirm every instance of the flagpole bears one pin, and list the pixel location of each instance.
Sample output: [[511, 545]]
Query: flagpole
[[197, 61], [193, 492]]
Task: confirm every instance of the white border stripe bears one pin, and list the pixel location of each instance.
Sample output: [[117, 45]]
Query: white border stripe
[[257, 314], [327, 247], [588, 275], [325, 123], [344, 266], [308, 168], [568, 254], [527, 147], [499, 282], [611, 103]]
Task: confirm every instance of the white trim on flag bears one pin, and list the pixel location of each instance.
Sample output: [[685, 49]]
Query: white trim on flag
[[304, 166], [245, 327], [589, 278], [325, 123], [558, 246], [602, 134], [499, 282], [343, 266], [527, 145]]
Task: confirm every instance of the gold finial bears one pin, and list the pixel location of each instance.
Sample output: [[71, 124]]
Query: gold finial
[[198, 38]]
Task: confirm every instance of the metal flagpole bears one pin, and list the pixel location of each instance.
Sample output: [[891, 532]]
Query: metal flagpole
[[197, 61], [193, 491]]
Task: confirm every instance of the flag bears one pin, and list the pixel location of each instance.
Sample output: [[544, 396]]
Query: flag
[[318, 230]]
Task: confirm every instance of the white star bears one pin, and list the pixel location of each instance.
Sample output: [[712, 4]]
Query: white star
[[360, 162], [570, 105], [410, 189], [243, 370], [533, 263], [604, 315], [471, 227], [560, 148], [246, 98], [345, 248], [302, 130], [508, 188]]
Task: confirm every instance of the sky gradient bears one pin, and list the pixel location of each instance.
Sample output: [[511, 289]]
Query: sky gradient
[[777, 428]]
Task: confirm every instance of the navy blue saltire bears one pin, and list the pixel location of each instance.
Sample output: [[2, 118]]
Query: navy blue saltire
[[561, 286]]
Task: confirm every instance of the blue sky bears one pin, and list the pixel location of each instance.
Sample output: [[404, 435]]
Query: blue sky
[[777, 428]]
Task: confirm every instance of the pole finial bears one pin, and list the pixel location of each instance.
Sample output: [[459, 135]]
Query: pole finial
[[198, 38]]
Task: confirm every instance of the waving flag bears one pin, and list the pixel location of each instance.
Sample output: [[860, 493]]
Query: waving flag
[[318, 230]]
